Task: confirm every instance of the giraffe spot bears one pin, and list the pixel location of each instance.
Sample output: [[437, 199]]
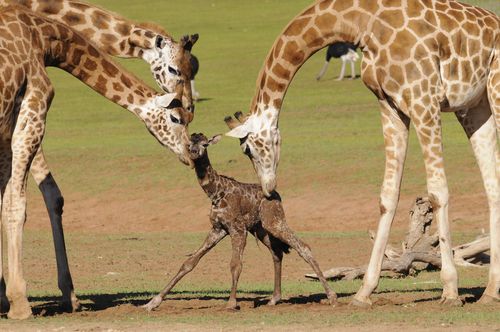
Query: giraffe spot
[[310, 11], [79, 6], [25, 19], [123, 29], [447, 23], [457, 15], [312, 38], [340, 6], [277, 103], [394, 18], [115, 98], [77, 55], [266, 98], [293, 53], [325, 22], [414, 9], [130, 99], [126, 80], [403, 44], [412, 72], [101, 83], [109, 68], [396, 74], [421, 28], [73, 18], [107, 38], [50, 7], [281, 72], [273, 85], [100, 19], [381, 32], [466, 72], [430, 17], [48, 30], [296, 27], [90, 64]]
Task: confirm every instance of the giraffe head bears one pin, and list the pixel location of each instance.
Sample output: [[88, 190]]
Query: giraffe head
[[199, 143], [260, 140], [167, 121], [170, 63]]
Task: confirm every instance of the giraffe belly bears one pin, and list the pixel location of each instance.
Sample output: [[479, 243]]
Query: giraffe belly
[[459, 97]]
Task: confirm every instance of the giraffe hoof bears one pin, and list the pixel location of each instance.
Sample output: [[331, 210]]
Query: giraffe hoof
[[451, 302], [72, 304], [488, 299], [153, 304], [361, 304], [4, 305], [274, 300], [232, 306], [20, 310]]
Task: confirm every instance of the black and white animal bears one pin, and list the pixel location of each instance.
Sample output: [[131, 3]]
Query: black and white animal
[[346, 52], [195, 65]]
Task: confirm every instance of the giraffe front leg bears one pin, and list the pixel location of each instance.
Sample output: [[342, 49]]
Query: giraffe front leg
[[54, 203], [5, 153], [395, 128], [189, 264], [238, 242]]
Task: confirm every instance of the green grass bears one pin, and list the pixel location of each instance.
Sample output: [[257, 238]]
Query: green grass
[[93, 145]]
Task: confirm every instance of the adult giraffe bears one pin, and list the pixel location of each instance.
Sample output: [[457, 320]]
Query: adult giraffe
[[30, 43], [420, 58], [169, 62]]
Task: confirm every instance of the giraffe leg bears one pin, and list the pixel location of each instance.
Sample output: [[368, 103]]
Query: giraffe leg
[[342, 71], [493, 288], [273, 221], [54, 203], [430, 137], [395, 128], [276, 248], [238, 242], [493, 87], [322, 71], [26, 140], [5, 165], [213, 237]]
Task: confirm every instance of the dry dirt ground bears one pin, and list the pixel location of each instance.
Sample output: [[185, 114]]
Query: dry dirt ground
[[122, 250]]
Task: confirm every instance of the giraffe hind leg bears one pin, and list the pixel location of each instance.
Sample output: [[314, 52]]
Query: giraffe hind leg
[[54, 202]]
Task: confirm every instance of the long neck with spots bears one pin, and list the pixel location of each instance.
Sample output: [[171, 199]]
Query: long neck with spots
[[69, 51], [319, 25], [108, 31], [207, 176]]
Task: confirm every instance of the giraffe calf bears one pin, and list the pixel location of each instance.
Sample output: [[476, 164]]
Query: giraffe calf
[[238, 208]]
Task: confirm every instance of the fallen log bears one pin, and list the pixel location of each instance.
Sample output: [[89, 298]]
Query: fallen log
[[420, 249]]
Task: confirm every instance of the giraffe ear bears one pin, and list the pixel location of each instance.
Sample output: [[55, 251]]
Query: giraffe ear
[[187, 41], [166, 99], [240, 131], [214, 140]]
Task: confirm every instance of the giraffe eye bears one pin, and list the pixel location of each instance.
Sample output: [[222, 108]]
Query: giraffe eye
[[174, 119], [173, 71]]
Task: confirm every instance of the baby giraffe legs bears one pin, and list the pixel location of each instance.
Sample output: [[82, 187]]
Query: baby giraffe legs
[[238, 241], [273, 221], [275, 246], [189, 264]]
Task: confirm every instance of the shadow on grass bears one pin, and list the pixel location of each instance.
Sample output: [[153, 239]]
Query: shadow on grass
[[98, 302]]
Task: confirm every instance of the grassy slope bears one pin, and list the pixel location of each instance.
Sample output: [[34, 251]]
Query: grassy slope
[[330, 126]]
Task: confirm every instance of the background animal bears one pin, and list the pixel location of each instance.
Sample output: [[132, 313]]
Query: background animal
[[346, 52]]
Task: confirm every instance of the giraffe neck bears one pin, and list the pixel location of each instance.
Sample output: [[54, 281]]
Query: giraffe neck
[[69, 51], [108, 31], [318, 26], [207, 176]]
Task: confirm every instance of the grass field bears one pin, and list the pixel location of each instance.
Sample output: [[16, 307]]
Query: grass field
[[133, 211]]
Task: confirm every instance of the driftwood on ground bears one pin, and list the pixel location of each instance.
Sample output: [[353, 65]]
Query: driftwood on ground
[[420, 249]]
